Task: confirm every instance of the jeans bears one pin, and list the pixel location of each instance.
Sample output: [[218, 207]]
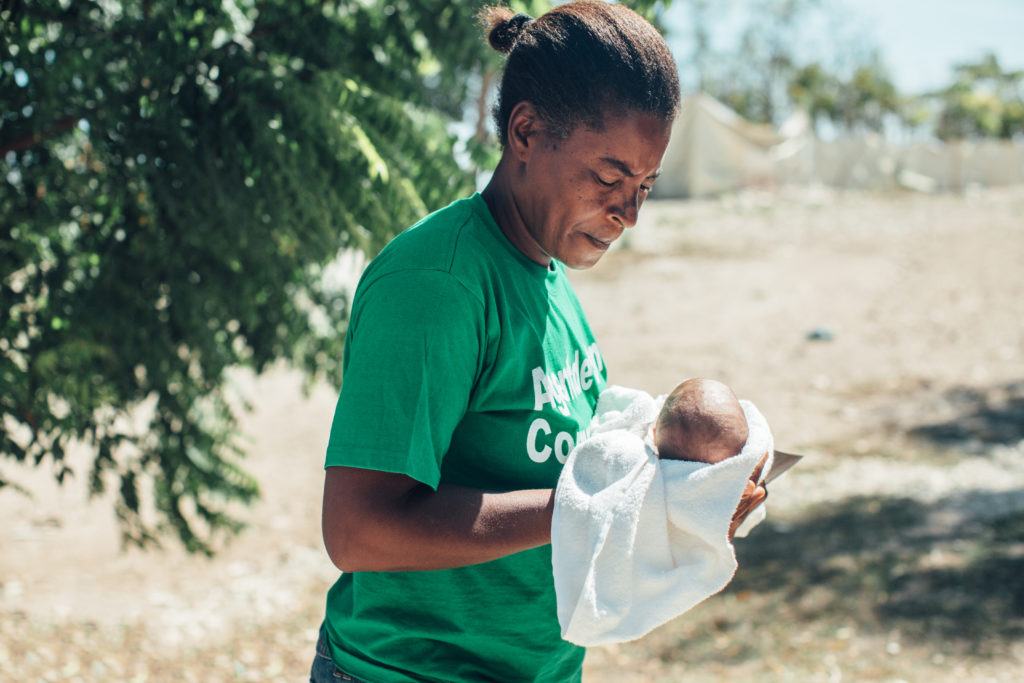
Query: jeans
[[324, 670]]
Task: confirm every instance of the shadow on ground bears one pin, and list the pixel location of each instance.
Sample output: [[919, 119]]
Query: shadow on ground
[[986, 417], [947, 576]]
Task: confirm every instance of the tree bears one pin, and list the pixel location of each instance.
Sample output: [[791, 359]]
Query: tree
[[776, 67], [754, 78], [702, 17], [176, 178], [984, 100], [869, 97], [817, 91]]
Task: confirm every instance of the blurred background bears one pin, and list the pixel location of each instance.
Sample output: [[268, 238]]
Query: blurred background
[[189, 191]]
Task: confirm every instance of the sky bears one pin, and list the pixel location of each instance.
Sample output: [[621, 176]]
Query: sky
[[920, 40]]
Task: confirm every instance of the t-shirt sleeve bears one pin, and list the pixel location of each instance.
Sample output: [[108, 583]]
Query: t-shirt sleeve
[[411, 359]]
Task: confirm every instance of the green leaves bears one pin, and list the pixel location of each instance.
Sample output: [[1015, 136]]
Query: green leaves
[[983, 101], [176, 178]]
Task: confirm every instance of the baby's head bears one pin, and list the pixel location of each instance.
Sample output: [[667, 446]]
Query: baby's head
[[702, 421]]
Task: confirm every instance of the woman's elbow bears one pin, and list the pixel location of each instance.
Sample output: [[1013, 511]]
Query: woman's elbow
[[342, 541], [338, 549], [355, 506]]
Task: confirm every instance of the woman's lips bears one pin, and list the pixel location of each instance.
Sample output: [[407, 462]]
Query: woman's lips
[[600, 244]]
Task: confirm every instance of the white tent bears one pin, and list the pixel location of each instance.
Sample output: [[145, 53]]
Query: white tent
[[714, 150]]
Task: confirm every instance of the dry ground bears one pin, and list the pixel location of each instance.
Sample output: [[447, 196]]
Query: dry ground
[[896, 552]]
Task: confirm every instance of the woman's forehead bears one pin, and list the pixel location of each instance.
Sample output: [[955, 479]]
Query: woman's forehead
[[629, 145]]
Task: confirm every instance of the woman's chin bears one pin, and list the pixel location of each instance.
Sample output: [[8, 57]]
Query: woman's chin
[[581, 260], [583, 252]]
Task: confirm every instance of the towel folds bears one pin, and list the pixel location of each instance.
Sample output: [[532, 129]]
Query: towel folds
[[637, 540]]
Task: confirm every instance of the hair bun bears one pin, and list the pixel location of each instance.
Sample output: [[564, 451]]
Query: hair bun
[[505, 33]]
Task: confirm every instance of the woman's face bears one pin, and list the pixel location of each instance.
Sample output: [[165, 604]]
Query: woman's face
[[578, 195]]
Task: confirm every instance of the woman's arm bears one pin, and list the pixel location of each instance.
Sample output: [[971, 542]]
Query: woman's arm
[[381, 521]]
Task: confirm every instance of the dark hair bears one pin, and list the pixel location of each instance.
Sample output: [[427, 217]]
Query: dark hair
[[701, 420], [580, 61]]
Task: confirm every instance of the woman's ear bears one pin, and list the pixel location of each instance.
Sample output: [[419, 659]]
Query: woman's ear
[[523, 128]]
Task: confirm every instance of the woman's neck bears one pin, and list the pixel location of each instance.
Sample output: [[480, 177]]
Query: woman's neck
[[501, 200]]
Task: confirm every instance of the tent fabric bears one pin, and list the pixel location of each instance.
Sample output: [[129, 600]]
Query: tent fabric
[[714, 150]]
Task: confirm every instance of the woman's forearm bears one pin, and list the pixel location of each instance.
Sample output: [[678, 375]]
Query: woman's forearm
[[424, 529]]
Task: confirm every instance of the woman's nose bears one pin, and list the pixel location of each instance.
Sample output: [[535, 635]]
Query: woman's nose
[[627, 211]]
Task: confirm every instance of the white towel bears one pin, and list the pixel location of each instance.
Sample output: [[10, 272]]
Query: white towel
[[636, 540]]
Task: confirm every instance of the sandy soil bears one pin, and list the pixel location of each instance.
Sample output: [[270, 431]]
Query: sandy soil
[[896, 552]]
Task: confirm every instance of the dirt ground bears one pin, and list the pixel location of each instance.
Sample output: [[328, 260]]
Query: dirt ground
[[882, 335]]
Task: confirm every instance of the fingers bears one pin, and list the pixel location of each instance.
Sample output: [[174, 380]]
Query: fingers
[[756, 474], [743, 508], [759, 496], [753, 495]]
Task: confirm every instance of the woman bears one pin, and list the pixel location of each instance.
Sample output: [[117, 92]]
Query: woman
[[470, 370]]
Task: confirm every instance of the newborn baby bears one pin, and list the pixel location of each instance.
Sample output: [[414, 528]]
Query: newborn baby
[[640, 531], [701, 421]]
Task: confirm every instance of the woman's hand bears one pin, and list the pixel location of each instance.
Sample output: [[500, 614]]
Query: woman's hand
[[753, 495]]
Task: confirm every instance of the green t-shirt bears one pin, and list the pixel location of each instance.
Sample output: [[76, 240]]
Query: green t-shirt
[[465, 363]]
